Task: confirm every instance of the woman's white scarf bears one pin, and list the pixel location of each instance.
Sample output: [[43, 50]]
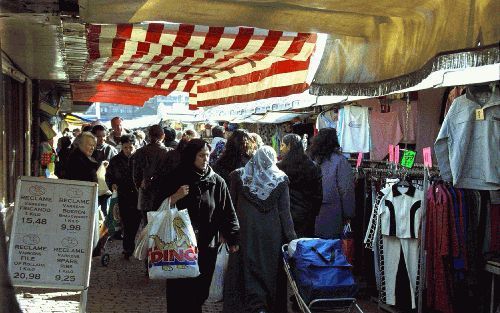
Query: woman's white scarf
[[261, 175]]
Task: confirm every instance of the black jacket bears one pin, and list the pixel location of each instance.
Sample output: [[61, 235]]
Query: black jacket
[[80, 167], [208, 203], [62, 160], [119, 172], [223, 169], [306, 194], [149, 161], [171, 144]]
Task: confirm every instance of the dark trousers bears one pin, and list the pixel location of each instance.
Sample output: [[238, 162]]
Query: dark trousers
[[104, 203], [188, 294], [130, 220]]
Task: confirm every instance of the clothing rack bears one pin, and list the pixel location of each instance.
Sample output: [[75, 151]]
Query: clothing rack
[[336, 106], [422, 268], [416, 173], [383, 168], [416, 165], [419, 171]]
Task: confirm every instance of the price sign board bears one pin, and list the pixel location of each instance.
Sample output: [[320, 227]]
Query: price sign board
[[427, 157], [52, 233], [408, 158], [360, 159]]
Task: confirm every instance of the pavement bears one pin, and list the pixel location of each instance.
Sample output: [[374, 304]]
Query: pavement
[[121, 287]]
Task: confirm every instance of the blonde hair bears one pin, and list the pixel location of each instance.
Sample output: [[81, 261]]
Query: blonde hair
[[80, 138]]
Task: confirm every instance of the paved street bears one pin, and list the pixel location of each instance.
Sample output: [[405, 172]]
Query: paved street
[[121, 287]]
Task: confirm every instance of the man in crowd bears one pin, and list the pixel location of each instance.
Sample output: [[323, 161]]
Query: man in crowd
[[117, 132], [149, 165], [76, 132], [102, 154], [103, 151], [170, 134], [218, 143], [119, 178]]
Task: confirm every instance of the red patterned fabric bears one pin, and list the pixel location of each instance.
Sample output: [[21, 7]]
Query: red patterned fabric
[[441, 244], [215, 65]]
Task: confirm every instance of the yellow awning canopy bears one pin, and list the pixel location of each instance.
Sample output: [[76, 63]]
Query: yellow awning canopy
[[369, 41]]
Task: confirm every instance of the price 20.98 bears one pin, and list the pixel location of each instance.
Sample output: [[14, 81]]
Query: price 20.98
[[27, 276]]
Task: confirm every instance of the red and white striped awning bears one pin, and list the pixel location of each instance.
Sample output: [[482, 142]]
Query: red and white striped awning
[[216, 65]]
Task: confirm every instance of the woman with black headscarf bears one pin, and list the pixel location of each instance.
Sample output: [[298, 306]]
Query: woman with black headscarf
[[196, 187]]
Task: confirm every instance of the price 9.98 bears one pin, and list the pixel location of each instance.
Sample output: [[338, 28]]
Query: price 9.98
[[70, 227]]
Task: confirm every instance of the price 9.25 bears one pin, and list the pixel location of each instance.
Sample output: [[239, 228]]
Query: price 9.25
[[70, 227], [26, 275], [65, 278]]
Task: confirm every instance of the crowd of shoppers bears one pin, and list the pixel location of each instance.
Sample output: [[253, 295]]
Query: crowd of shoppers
[[234, 190]]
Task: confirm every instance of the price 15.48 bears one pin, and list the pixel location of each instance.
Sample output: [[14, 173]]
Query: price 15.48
[[30, 220]]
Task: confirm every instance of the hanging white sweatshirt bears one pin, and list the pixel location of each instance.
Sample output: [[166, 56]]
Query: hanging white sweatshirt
[[355, 136]]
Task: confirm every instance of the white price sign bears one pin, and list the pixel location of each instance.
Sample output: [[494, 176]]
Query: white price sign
[[52, 234]]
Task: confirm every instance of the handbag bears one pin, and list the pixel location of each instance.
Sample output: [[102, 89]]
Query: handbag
[[112, 220], [348, 243]]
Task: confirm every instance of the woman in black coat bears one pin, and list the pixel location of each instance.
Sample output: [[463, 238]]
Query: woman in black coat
[[80, 165], [206, 197], [306, 191]]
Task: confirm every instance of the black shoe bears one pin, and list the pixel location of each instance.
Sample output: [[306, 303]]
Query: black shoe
[[126, 255], [117, 236], [98, 248]]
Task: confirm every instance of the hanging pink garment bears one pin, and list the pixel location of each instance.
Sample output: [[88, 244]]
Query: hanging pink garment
[[385, 130]]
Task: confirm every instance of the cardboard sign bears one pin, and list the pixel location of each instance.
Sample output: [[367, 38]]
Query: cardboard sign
[[427, 157], [408, 158], [396, 154], [52, 234], [360, 158], [391, 153]]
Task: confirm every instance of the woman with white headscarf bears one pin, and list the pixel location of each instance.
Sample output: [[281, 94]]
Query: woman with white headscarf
[[255, 281]]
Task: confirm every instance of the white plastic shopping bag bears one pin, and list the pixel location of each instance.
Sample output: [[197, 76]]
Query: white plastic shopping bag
[[101, 181], [141, 244], [173, 251], [217, 285]]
